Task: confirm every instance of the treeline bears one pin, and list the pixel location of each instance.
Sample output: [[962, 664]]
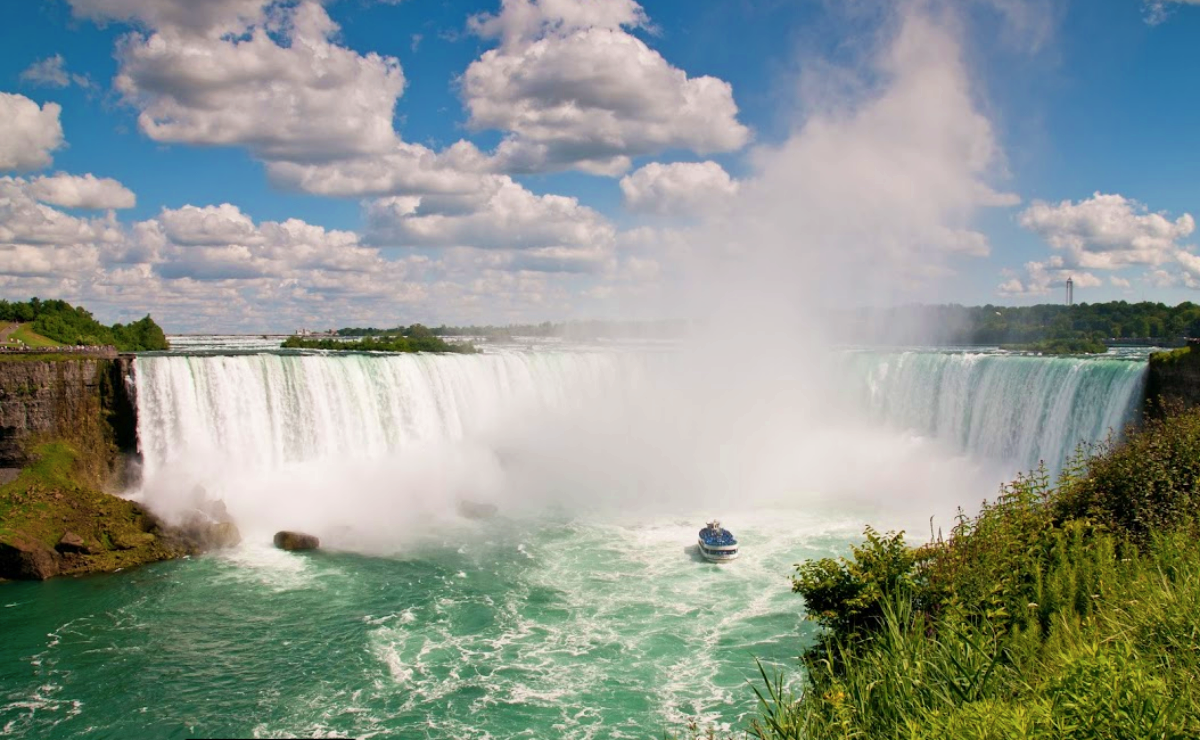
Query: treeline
[[1065, 609], [956, 324], [572, 330], [384, 343], [75, 325]]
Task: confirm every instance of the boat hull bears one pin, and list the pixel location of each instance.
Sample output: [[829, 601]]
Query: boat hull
[[717, 554]]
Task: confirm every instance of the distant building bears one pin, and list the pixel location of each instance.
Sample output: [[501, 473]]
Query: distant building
[[1070, 292]]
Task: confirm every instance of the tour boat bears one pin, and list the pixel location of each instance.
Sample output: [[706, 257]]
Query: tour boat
[[717, 544]]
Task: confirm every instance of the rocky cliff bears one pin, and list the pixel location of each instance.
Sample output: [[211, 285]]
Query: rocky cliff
[[67, 426], [1174, 379], [86, 400]]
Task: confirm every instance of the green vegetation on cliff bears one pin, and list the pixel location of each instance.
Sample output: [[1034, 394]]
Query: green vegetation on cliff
[[54, 520], [1066, 609], [428, 343], [67, 324]]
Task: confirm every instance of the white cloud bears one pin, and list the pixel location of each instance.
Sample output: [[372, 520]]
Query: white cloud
[[204, 17], [408, 169], [509, 218], [573, 89], [28, 132], [682, 188], [1042, 278], [49, 71], [1107, 232], [304, 99], [82, 191], [1157, 11], [52, 72], [23, 220], [1117, 282]]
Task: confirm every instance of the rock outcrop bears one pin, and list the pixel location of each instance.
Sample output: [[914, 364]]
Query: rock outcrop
[[71, 543], [1174, 379], [28, 559], [296, 541]]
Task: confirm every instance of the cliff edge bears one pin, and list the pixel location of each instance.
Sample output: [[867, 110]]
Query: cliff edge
[[68, 429]]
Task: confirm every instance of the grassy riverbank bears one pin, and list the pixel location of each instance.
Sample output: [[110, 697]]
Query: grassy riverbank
[[1065, 609]]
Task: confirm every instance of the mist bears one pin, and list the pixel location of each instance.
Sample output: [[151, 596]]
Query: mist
[[872, 193]]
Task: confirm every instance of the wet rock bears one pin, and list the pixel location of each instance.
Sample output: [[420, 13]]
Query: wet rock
[[296, 541], [203, 533], [72, 543], [27, 559]]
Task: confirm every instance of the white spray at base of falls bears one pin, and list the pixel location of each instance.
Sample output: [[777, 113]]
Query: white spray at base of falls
[[379, 450]]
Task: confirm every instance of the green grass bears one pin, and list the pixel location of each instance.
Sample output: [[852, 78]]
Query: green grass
[[27, 335]]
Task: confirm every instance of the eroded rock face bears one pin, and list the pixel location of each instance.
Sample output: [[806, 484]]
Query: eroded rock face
[[25, 559], [296, 541]]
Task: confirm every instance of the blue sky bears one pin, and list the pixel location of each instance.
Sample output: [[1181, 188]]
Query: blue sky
[[247, 165]]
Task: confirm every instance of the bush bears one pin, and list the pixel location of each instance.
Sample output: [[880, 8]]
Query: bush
[[1059, 611]]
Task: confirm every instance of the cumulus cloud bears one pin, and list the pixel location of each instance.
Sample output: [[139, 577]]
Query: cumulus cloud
[[682, 188], [82, 191], [574, 89], [28, 132], [408, 169], [213, 18], [304, 98], [23, 220], [511, 217], [1107, 232], [1041, 278]]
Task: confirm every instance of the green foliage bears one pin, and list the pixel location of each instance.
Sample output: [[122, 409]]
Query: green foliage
[[1060, 611], [1182, 354], [62, 322], [1147, 483], [1116, 321], [1079, 346], [847, 596], [381, 344]]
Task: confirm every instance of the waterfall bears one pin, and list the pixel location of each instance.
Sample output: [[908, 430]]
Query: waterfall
[[265, 410], [391, 444], [1020, 409]]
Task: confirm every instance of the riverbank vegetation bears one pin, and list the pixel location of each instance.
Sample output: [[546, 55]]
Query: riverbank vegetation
[[1064, 609], [383, 343], [570, 330], [1112, 322], [63, 323], [1060, 347]]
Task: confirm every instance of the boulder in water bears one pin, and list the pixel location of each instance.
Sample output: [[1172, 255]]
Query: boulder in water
[[296, 541], [27, 559]]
